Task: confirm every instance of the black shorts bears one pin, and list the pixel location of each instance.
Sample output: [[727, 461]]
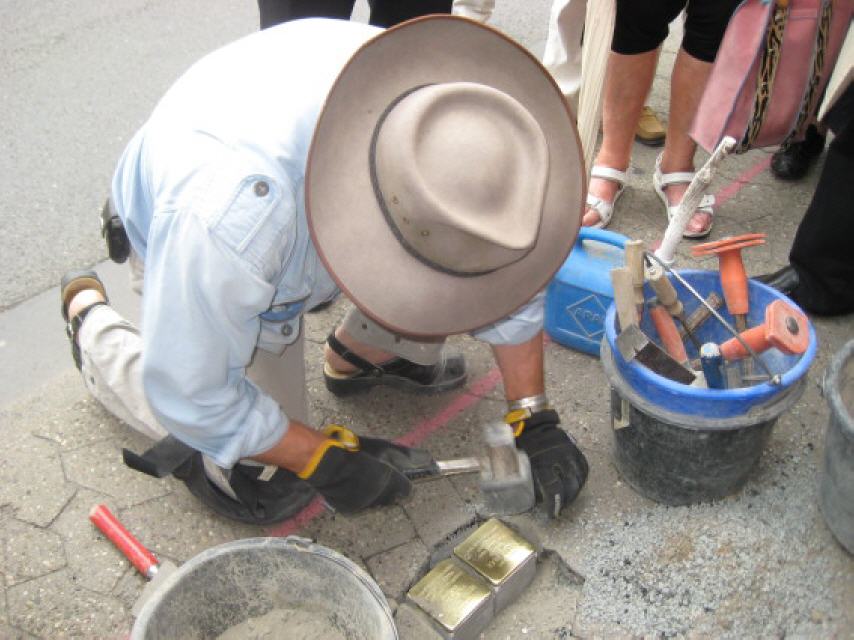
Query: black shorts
[[642, 25]]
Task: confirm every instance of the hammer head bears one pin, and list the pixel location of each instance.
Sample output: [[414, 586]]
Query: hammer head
[[505, 473]]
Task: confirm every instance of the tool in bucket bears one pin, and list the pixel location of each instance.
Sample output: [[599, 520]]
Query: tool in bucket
[[633, 343], [154, 570], [784, 328], [772, 378]]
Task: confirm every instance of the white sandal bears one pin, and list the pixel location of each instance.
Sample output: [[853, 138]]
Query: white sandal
[[660, 181], [602, 207]]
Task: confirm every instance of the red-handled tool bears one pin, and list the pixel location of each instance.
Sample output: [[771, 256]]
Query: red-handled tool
[[140, 557], [784, 328], [145, 562], [667, 331], [733, 275]]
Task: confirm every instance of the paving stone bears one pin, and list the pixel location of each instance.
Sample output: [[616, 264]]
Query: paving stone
[[436, 510], [54, 606], [362, 535], [546, 609], [179, 527], [10, 633], [31, 478], [129, 587], [29, 551], [82, 423], [93, 560], [395, 569], [99, 467]]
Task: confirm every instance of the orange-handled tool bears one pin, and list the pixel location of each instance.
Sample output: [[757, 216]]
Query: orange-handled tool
[[666, 294], [784, 328], [733, 275], [140, 557], [667, 331]]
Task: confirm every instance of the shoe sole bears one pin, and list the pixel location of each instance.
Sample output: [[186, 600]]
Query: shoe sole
[[651, 142], [353, 386]]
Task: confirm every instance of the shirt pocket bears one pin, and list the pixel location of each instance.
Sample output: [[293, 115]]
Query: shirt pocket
[[255, 219]]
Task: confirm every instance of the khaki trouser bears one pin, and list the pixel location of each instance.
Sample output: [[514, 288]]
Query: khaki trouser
[[111, 354]]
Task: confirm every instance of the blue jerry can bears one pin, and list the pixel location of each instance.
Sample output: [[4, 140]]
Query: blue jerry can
[[581, 292]]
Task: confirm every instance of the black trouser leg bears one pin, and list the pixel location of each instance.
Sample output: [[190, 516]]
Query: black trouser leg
[[822, 251], [273, 12], [386, 13]]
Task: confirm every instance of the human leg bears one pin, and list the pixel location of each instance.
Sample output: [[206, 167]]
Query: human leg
[[273, 12], [361, 354], [387, 13], [639, 30], [557, 464]]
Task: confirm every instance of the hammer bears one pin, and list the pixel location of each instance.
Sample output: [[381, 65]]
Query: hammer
[[505, 472]]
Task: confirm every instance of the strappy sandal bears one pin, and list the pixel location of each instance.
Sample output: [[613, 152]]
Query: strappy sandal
[[660, 181], [399, 373], [604, 208]]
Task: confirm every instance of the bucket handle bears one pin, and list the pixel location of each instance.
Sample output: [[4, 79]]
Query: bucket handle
[[601, 235], [773, 378]]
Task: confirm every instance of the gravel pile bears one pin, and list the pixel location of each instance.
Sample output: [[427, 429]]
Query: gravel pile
[[761, 564]]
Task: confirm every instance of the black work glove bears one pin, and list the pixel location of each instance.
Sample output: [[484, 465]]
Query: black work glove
[[557, 464], [409, 461], [351, 479]]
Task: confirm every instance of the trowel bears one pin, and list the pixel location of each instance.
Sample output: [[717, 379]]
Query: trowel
[[156, 571], [634, 344]]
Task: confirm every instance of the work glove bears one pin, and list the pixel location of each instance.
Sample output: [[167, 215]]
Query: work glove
[[349, 478], [557, 464]]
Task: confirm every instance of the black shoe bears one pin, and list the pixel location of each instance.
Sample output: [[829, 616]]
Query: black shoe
[[399, 373], [785, 280], [793, 161], [261, 502], [72, 283]]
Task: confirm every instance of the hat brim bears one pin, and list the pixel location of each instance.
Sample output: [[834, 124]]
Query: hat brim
[[346, 223]]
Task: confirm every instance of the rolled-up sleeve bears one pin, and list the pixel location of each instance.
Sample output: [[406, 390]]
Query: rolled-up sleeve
[[205, 286], [518, 327]]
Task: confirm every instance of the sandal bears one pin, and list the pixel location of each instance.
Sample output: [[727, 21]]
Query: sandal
[[399, 373], [602, 207], [660, 181]]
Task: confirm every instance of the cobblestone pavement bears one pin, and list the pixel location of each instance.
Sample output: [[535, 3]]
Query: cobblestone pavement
[[758, 564]]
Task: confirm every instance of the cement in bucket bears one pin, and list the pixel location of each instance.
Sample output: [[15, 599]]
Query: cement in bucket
[[680, 445], [228, 584], [837, 476]]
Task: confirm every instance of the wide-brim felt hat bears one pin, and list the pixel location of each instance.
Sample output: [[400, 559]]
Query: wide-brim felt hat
[[445, 178]]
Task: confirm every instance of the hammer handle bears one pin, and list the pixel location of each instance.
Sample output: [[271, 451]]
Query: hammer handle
[[140, 557], [664, 291]]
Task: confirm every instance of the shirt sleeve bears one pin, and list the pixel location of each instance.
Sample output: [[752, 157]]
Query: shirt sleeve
[[206, 282], [518, 327]]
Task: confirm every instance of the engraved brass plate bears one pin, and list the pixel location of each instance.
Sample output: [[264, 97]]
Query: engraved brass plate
[[450, 594], [495, 551]]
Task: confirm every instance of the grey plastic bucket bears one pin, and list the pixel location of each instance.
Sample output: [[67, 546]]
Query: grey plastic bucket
[[228, 584], [836, 486]]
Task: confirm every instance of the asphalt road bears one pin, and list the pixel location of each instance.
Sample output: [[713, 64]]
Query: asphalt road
[[78, 78]]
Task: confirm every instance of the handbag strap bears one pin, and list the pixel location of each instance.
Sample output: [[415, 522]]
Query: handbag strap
[[767, 72], [808, 104]]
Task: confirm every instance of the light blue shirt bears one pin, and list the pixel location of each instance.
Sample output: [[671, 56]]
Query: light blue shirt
[[210, 190]]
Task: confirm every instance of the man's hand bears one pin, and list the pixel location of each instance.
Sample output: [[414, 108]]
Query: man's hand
[[558, 466], [351, 479]]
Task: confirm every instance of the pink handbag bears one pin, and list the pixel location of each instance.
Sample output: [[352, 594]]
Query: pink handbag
[[770, 71]]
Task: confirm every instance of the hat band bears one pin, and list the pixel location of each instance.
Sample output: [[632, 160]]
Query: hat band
[[375, 183]]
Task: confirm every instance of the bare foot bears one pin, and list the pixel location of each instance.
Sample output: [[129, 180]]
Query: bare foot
[[601, 188], [700, 221], [83, 299]]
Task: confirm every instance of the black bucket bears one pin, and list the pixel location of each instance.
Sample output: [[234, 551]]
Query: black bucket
[[836, 486], [680, 445]]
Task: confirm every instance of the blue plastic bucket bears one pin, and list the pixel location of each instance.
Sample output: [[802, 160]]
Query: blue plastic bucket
[[678, 444], [579, 295]]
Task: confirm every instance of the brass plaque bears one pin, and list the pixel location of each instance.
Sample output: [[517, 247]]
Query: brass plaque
[[450, 594], [495, 551]]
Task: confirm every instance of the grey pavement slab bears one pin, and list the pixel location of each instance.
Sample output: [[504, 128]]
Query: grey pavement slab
[[397, 569]]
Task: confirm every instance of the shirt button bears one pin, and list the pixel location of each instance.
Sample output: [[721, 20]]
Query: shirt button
[[261, 188], [287, 329]]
